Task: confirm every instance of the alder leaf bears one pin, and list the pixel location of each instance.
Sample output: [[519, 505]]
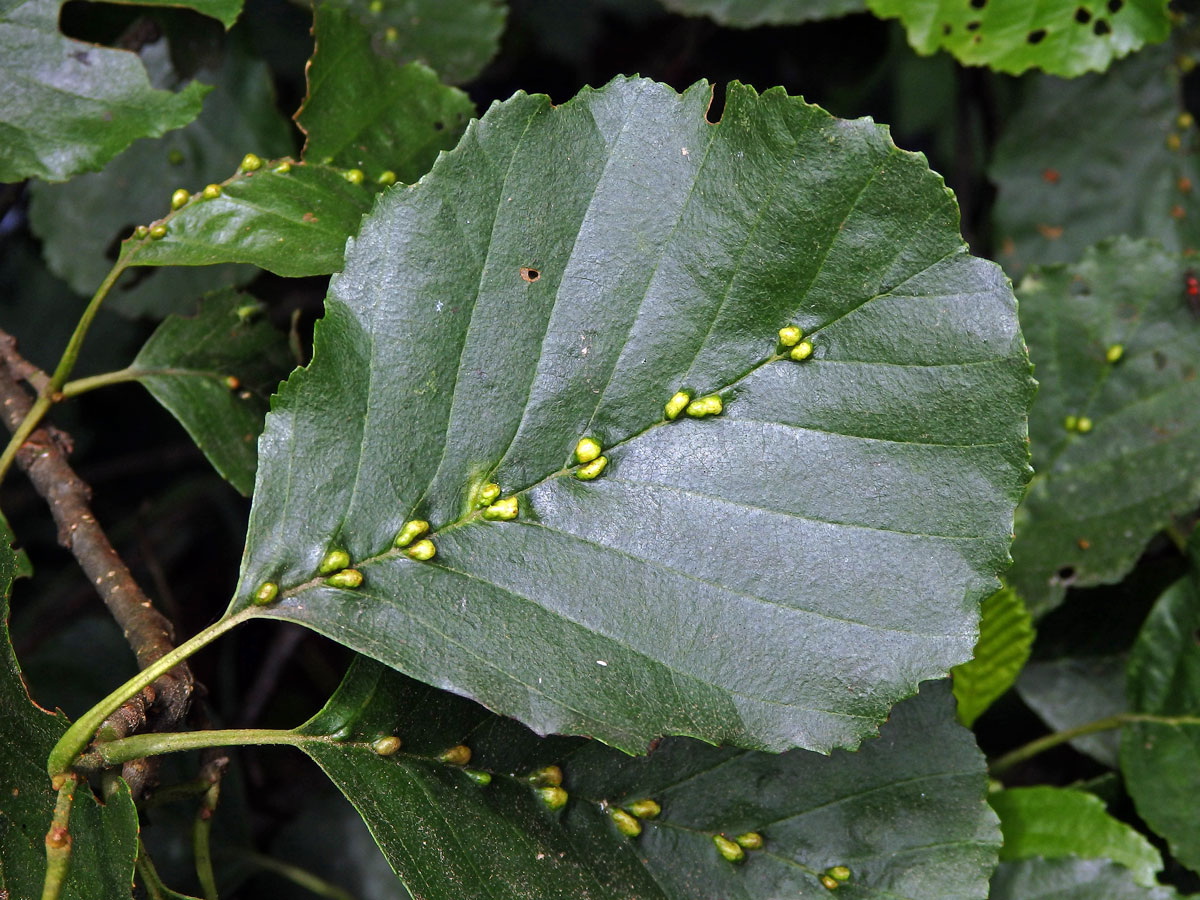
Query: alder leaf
[[776, 575], [1062, 37], [1005, 637], [905, 814], [753, 13], [1071, 879], [1074, 691], [1133, 416]]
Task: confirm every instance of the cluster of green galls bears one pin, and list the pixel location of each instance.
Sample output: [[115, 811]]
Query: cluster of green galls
[[1084, 424], [251, 162]]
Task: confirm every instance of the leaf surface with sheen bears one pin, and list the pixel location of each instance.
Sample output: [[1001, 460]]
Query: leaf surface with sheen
[[1071, 879], [777, 575], [905, 813], [753, 13], [1072, 691], [1005, 636]]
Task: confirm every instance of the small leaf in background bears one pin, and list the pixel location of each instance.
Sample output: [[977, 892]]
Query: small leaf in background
[[1161, 762], [1071, 879], [1055, 822], [1005, 636], [564, 273], [1091, 158], [78, 222], [363, 111], [69, 107], [752, 13], [904, 815], [215, 371], [1116, 347], [1070, 692], [455, 38], [103, 836], [1063, 37]]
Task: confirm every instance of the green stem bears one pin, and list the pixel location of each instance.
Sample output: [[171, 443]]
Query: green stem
[[76, 738], [58, 840], [113, 753], [1049, 741], [50, 392], [129, 373], [301, 877], [201, 844]]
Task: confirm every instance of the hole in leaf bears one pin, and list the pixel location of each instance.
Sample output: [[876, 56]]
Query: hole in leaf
[[439, 126], [978, 4], [1083, 15], [1066, 574], [1101, 28], [1114, 6], [716, 105], [1035, 37], [947, 28], [973, 26], [530, 275]]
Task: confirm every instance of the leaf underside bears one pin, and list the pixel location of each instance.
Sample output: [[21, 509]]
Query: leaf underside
[[774, 576], [904, 813]]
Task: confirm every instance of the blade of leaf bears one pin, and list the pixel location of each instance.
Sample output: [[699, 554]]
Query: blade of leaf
[[775, 576], [1005, 637], [104, 837], [68, 106], [753, 13], [79, 221], [1142, 411], [1062, 152], [456, 38], [904, 813], [1161, 762], [1055, 822], [187, 365], [1062, 37], [1070, 692], [1070, 879]]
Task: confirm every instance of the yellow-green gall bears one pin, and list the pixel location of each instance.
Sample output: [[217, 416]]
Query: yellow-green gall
[[1071, 423], [841, 873], [387, 178], [386, 746], [1084, 425], [250, 163], [481, 778], [644, 809], [587, 449], [830, 882], [802, 351], [705, 406], [211, 192], [677, 404], [412, 530], [180, 198], [1114, 353], [376, 7], [751, 840], [1185, 120], [334, 561], [390, 34], [728, 848], [551, 776], [487, 494], [790, 336], [421, 550], [554, 797], [502, 509], [592, 469], [347, 578], [158, 232], [626, 824], [141, 232], [458, 755], [266, 593], [283, 168], [354, 176]]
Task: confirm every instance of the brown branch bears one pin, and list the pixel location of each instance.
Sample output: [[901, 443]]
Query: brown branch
[[43, 458]]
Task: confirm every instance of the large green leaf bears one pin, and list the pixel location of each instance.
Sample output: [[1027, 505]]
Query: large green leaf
[[1054, 822], [904, 814], [1104, 488], [752, 13], [1005, 636], [68, 106], [776, 575], [1063, 37], [457, 38], [187, 365], [103, 837], [365, 112], [1074, 691], [1094, 158], [78, 222], [1070, 879], [1160, 761]]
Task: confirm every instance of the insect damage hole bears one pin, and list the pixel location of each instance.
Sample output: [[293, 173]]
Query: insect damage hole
[[530, 275], [1036, 37]]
